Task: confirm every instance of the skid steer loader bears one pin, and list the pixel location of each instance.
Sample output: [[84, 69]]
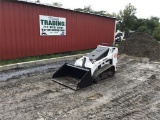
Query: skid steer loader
[[91, 68]]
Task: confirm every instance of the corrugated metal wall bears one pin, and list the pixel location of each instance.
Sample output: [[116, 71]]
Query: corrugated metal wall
[[20, 32]]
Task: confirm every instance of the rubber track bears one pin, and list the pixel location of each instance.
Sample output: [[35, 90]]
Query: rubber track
[[101, 70]]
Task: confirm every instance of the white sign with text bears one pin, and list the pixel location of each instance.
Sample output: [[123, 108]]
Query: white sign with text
[[50, 25]]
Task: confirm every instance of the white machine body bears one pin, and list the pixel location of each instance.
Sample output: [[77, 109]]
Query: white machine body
[[99, 57]]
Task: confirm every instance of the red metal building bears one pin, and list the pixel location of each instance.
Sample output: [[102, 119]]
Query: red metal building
[[20, 30]]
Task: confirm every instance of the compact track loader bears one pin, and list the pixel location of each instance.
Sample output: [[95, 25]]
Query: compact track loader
[[91, 68]]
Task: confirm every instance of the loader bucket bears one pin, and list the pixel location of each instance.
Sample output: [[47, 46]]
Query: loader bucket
[[73, 77]]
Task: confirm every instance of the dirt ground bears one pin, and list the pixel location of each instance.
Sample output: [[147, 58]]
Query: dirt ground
[[132, 94]]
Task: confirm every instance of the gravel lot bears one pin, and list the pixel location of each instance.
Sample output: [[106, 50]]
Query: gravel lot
[[132, 94]]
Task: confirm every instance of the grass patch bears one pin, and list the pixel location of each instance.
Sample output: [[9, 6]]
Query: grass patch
[[27, 59]]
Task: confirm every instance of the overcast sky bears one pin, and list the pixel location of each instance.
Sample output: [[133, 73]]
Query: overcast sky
[[145, 8]]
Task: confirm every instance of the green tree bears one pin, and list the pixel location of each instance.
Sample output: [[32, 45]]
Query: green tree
[[143, 29], [138, 23], [78, 9], [156, 33], [88, 9], [102, 12], [152, 24], [38, 1], [126, 18], [57, 4]]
